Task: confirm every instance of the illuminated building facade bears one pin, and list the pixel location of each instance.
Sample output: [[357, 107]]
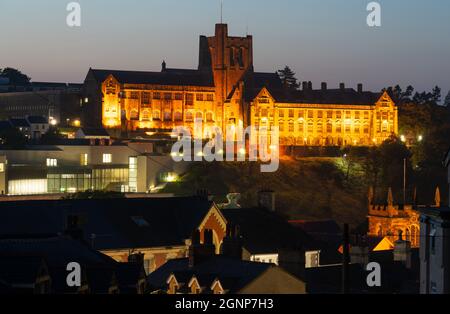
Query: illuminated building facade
[[226, 91], [388, 220], [80, 165]]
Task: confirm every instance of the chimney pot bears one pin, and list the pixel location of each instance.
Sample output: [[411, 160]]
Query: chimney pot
[[342, 86], [304, 85], [324, 86], [310, 85], [360, 88]]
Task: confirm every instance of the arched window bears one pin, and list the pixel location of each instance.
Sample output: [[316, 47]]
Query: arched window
[[209, 117], [415, 233], [408, 235], [145, 115], [380, 231], [178, 116], [156, 115], [189, 116], [241, 57], [232, 56], [167, 115], [134, 114], [199, 116]]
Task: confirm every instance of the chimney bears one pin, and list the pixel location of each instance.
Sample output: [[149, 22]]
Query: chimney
[[232, 243], [360, 88], [402, 250], [233, 201], [359, 253], [324, 86], [266, 200], [136, 258], [74, 229], [163, 66], [310, 85], [342, 86], [305, 85], [199, 252]]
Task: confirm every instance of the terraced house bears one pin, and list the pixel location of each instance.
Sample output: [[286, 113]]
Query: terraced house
[[225, 91]]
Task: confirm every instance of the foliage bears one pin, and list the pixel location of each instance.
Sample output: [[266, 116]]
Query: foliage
[[15, 76], [288, 79], [12, 137]]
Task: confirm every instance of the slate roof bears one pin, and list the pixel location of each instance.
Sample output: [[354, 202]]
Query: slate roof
[[19, 123], [328, 96], [94, 132], [16, 269], [37, 119], [395, 278], [235, 272], [170, 220], [264, 231], [167, 77]]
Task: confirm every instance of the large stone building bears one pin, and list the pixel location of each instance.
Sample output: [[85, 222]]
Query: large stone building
[[387, 220], [226, 91]]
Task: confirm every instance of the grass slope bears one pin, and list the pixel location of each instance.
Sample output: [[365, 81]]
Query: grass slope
[[308, 188]]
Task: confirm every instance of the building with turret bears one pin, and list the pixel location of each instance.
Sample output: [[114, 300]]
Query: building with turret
[[225, 91]]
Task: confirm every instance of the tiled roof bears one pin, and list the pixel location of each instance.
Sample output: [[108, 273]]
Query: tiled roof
[[229, 270], [20, 123], [168, 77]]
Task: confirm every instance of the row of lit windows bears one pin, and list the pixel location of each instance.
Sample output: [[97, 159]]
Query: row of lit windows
[[310, 114], [167, 115], [53, 162], [146, 97], [27, 107], [310, 127]]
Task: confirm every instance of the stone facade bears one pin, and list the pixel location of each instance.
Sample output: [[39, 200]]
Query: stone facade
[[225, 91]]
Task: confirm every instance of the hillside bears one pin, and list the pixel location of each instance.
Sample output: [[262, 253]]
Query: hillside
[[307, 188]]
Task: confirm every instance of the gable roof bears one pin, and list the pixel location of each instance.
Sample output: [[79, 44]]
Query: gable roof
[[235, 272], [94, 132], [167, 77], [108, 223]]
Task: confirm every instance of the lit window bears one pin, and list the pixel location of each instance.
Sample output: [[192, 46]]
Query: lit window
[[84, 159], [107, 158], [51, 162], [2, 167]]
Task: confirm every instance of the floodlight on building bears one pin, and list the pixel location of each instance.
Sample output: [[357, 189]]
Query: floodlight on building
[[403, 138], [420, 138]]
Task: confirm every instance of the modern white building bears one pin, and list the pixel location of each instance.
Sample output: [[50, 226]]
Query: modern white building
[[79, 165]]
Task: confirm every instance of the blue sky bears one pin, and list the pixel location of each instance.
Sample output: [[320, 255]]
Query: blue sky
[[325, 40]]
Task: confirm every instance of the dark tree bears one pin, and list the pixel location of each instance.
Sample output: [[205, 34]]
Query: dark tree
[[11, 137], [288, 79], [436, 94], [52, 135], [15, 77]]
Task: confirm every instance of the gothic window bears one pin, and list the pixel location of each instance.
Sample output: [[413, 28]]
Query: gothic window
[[156, 115], [232, 56], [209, 117], [329, 127], [281, 125], [167, 115], [145, 98], [199, 116], [178, 116], [189, 116], [310, 126], [291, 126], [189, 99], [145, 115], [241, 57], [134, 114]]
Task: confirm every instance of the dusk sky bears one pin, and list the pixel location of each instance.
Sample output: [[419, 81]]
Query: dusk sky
[[325, 40]]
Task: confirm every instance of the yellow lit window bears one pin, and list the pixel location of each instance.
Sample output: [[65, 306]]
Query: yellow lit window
[[51, 162], [107, 158], [2, 167], [84, 159]]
